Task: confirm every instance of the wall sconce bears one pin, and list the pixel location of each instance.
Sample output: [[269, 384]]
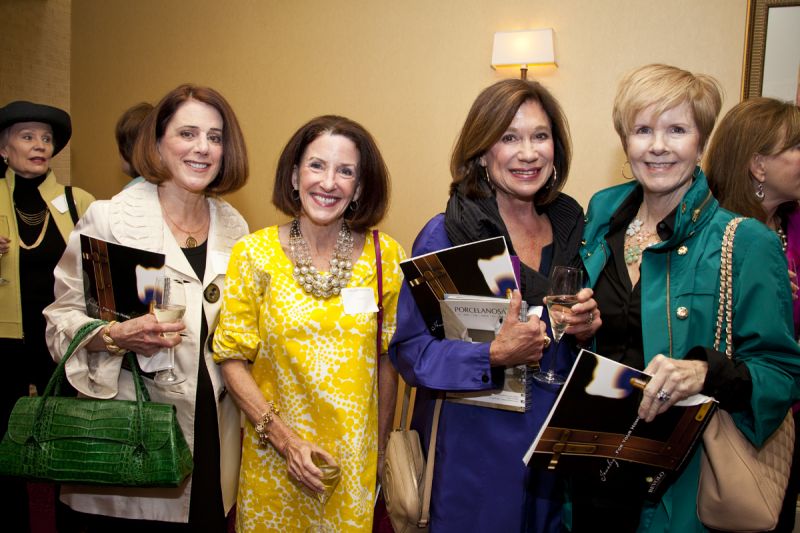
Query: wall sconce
[[523, 48]]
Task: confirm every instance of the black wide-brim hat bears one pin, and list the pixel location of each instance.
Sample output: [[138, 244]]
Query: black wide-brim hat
[[22, 111]]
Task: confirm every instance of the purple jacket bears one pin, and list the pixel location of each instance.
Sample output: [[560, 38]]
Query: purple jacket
[[480, 482]]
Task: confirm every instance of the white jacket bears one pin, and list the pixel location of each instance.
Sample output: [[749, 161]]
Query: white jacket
[[133, 218]]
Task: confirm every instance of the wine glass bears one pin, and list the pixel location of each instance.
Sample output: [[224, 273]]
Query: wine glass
[[565, 282], [170, 305], [4, 232], [331, 473]]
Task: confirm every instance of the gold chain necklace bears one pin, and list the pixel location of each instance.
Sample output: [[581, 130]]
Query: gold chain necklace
[[190, 241], [31, 219], [41, 234]]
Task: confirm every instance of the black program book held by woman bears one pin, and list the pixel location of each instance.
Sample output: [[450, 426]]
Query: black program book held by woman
[[594, 426]]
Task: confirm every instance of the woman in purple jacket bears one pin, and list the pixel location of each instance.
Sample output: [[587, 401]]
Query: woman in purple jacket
[[508, 167]]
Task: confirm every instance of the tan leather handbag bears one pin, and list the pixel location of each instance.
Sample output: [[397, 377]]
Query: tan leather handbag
[[407, 476], [741, 486]]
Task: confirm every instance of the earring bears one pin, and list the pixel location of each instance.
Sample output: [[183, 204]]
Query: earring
[[488, 179], [760, 192], [295, 195], [353, 205], [5, 160], [623, 170], [553, 178]]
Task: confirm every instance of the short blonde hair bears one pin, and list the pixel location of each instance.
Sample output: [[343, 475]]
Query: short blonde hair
[[664, 87]]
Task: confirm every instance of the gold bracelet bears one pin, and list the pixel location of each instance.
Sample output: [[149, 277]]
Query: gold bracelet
[[261, 427], [111, 346]]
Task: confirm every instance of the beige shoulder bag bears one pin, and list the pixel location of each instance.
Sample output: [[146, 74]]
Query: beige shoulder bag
[[407, 476], [741, 486]]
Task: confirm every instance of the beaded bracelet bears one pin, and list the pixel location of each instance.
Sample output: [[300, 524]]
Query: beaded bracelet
[[261, 427], [111, 346]]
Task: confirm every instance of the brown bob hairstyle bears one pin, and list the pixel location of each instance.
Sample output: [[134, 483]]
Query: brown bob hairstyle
[[487, 120], [755, 127], [146, 159], [372, 174], [128, 127]]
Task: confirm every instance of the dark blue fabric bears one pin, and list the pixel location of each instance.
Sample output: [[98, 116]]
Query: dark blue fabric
[[480, 483]]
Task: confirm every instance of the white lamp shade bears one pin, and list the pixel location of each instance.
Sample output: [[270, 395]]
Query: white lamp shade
[[526, 47]]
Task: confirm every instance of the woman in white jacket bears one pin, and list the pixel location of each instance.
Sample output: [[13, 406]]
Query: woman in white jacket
[[190, 150]]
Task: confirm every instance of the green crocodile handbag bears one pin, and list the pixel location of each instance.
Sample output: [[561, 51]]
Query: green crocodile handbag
[[95, 442]]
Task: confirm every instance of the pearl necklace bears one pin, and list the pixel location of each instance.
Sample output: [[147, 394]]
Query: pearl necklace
[[637, 241], [306, 274]]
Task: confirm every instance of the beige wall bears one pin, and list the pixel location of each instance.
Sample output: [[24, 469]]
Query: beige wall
[[407, 70], [35, 51]]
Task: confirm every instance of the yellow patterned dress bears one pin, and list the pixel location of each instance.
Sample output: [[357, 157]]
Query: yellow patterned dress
[[319, 365]]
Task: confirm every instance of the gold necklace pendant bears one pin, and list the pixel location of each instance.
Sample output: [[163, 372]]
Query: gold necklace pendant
[[190, 242]]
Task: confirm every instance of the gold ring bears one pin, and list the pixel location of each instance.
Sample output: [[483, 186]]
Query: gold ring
[[591, 317], [546, 342]]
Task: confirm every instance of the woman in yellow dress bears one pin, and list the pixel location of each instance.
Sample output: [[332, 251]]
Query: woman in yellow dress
[[299, 331]]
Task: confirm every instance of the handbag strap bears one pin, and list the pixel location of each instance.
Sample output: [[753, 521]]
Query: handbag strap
[[73, 211], [59, 374], [425, 514], [425, 497], [379, 268], [725, 309]]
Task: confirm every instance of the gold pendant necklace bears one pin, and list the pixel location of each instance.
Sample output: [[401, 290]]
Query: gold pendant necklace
[[190, 241]]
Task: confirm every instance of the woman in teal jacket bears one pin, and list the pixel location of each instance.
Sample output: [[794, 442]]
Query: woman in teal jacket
[[652, 253]]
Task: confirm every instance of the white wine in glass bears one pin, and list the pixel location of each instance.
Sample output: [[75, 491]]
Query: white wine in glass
[[331, 474], [4, 232], [565, 282], [170, 305]]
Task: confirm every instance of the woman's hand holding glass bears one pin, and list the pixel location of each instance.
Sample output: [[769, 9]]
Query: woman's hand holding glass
[[328, 464], [170, 305], [144, 335], [300, 459], [518, 343], [565, 284], [584, 321]]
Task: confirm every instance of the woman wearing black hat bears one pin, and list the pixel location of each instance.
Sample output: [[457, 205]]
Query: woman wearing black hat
[[39, 218]]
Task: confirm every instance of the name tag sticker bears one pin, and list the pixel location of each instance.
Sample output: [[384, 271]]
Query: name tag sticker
[[60, 203], [359, 300]]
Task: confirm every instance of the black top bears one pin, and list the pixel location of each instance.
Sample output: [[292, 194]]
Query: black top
[[205, 509]]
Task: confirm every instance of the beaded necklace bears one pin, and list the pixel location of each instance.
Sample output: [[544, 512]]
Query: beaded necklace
[[637, 241], [306, 274], [782, 236]]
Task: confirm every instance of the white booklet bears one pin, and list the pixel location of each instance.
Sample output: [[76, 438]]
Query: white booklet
[[477, 319]]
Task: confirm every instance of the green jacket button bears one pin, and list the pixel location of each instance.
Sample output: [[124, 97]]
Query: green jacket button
[[682, 313]]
